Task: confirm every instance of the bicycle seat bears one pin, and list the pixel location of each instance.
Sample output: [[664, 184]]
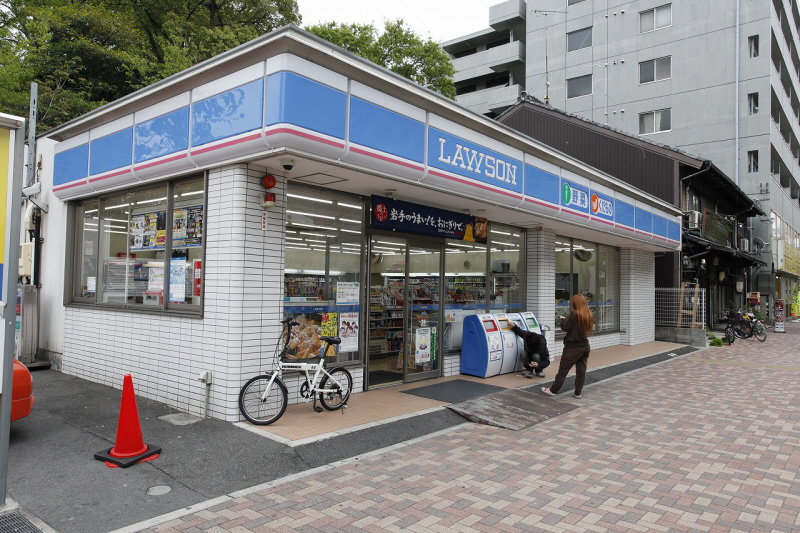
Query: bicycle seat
[[331, 340]]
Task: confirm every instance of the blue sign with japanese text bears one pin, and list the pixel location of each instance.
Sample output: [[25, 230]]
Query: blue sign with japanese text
[[396, 215]]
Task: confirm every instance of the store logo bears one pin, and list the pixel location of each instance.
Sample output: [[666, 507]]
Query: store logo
[[381, 213], [601, 206], [573, 196], [477, 162]]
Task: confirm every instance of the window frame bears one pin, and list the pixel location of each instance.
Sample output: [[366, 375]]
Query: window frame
[[653, 9], [752, 161], [591, 86], [752, 103], [753, 45], [655, 131], [75, 244], [590, 28], [655, 70]]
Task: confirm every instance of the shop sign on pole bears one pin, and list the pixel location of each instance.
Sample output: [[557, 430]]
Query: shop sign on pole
[[406, 217], [780, 323]]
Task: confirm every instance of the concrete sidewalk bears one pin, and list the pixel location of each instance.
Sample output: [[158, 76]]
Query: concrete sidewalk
[[707, 441]]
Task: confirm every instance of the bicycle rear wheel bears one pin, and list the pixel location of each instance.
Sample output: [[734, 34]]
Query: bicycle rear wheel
[[760, 331], [257, 408], [342, 382], [729, 335]]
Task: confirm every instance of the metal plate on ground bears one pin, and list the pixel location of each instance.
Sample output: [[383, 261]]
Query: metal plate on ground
[[512, 409], [17, 523], [456, 390]]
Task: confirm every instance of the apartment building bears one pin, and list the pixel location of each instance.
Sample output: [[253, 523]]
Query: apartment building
[[716, 78]]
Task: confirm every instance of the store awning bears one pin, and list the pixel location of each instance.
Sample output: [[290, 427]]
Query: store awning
[[731, 253]]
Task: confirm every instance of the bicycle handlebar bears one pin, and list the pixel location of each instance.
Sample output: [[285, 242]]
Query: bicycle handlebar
[[290, 321]]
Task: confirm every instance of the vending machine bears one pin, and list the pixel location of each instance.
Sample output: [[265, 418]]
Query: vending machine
[[510, 348], [482, 348]]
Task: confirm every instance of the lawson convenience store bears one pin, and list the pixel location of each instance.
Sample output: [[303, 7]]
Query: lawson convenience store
[[396, 214]]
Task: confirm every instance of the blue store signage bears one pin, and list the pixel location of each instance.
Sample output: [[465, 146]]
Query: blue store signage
[[396, 215], [574, 196]]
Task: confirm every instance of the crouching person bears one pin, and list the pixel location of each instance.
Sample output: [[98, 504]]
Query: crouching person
[[535, 355]]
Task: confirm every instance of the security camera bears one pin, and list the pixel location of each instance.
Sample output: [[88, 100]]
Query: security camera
[[287, 164]]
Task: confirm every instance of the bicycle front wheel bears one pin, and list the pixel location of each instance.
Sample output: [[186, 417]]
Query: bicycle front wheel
[[729, 335], [261, 409], [760, 332], [340, 384]]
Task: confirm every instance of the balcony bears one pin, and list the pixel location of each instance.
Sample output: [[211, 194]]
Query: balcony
[[494, 100], [497, 59], [508, 14]]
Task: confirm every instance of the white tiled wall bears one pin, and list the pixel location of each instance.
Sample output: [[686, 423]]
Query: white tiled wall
[[236, 337], [637, 296], [541, 281]]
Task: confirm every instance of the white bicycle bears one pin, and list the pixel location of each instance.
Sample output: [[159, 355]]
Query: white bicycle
[[263, 399]]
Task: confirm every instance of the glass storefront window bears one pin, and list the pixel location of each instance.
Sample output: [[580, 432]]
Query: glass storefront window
[[186, 258], [465, 288], [122, 242], [322, 273], [86, 256], [506, 287], [592, 270], [133, 233]]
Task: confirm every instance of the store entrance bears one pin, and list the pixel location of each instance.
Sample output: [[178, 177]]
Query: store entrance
[[405, 310]]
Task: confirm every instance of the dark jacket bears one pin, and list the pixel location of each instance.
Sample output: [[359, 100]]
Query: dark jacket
[[574, 336], [533, 342]]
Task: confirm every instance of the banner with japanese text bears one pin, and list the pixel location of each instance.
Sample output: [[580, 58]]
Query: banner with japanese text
[[406, 217]]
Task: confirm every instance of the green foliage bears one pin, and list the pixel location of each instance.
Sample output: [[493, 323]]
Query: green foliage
[[398, 49], [85, 54], [715, 342], [756, 310]]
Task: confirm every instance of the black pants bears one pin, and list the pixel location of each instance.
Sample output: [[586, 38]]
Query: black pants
[[576, 356], [528, 358]]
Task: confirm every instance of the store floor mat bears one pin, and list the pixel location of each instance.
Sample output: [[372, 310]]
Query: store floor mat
[[457, 390], [512, 409]]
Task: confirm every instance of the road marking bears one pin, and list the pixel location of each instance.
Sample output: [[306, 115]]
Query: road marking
[[745, 364]]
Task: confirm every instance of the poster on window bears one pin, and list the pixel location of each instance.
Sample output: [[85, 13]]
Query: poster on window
[[155, 280], [187, 227], [347, 292], [348, 331], [148, 231], [422, 345], [177, 280]]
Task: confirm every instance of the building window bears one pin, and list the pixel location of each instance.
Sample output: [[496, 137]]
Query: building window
[[466, 89], [572, 2], [592, 270], [654, 19], [693, 201], [752, 103], [507, 267], [655, 70], [752, 44], [580, 86], [655, 121], [138, 250], [323, 247], [500, 81], [579, 39], [752, 161], [499, 42]]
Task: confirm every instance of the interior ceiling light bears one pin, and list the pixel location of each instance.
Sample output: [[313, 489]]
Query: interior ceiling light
[[351, 206], [309, 198], [310, 214]]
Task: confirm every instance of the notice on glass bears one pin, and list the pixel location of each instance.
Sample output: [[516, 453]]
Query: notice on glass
[[155, 280], [91, 284], [347, 292], [179, 225], [177, 280], [330, 326], [148, 231], [187, 227], [348, 332], [422, 343]]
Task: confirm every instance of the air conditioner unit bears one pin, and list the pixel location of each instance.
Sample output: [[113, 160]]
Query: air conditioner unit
[[694, 219], [744, 245]]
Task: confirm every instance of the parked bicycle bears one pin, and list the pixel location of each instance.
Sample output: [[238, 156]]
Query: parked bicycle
[[263, 399], [744, 327]]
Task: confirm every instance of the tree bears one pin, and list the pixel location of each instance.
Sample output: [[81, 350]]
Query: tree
[[86, 54], [398, 49]]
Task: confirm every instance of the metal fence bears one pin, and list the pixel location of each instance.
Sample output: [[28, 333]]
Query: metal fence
[[683, 307]]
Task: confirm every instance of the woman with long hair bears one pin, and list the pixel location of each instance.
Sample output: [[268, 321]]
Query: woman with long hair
[[578, 325]]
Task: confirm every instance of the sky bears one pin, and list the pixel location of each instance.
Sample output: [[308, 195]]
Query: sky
[[441, 20]]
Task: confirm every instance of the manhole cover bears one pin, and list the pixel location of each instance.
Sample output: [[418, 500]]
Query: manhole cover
[[158, 490], [16, 523]]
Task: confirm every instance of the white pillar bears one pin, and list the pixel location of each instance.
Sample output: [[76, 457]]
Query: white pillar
[[541, 279]]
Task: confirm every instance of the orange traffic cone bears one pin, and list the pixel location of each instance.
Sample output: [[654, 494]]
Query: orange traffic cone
[[129, 448]]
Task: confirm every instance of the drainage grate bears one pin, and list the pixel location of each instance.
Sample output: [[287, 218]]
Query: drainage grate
[[16, 523]]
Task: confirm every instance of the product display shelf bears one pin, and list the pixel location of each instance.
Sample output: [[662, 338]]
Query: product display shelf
[[465, 289]]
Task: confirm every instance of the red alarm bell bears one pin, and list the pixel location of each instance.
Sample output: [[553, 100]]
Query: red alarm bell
[[268, 181]]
